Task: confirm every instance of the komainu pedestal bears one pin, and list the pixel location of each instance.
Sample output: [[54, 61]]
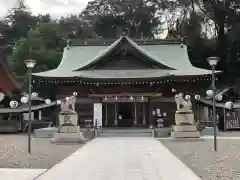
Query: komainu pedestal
[[68, 128], [185, 125]]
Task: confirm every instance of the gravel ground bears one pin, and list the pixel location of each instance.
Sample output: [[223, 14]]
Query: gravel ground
[[209, 165], [14, 152]]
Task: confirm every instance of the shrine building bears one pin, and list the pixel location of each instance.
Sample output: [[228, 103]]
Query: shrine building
[[134, 79]]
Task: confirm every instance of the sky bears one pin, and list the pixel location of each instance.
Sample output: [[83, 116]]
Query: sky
[[56, 8]]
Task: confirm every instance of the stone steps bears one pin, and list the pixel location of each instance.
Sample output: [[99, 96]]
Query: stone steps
[[125, 133]]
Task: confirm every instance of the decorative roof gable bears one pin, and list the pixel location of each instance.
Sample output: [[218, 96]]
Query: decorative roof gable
[[128, 44]]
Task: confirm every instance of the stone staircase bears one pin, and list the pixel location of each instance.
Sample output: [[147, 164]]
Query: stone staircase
[[125, 132]]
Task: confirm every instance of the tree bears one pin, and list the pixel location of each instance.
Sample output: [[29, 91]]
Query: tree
[[204, 22], [45, 44], [44, 18], [20, 20], [77, 27], [225, 16], [134, 17]]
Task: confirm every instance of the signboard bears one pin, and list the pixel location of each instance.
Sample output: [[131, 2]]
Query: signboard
[[97, 114], [26, 116]]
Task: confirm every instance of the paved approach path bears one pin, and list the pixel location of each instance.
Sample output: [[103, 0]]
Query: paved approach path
[[121, 158], [19, 174]]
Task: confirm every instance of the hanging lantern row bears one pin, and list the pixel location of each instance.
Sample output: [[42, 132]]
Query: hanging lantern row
[[34, 94], [59, 102], [105, 83], [14, 104], [218, 97], [187, 96], [25, 99]]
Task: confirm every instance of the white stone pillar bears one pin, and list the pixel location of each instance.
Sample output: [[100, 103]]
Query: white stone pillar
[[39, 115]]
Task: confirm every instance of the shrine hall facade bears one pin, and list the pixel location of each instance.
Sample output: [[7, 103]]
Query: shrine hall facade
[[133, 79]]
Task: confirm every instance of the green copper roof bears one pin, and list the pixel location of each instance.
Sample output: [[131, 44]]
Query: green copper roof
[[171, 56], [112, 47]]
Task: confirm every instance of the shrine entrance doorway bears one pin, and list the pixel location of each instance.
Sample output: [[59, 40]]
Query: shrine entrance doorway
[[125, 114]]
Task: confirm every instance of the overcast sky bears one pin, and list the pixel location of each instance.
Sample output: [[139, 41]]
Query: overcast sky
[[56, 8]]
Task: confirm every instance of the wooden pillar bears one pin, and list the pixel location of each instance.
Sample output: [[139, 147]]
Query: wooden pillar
[[135, 113], [224, 119], [106, 114], [197, 112], [143, 114], [116, 114], [150, 120]]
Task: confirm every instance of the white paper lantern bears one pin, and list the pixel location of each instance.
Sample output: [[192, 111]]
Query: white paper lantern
[[59, 102], [174, 90], [219, 97], [13, 104], [1, 96], [187, 97], [229, 105], [197, 97], [47, 101], [75, 93], [131, 98], [34, 94], [24, 99], [209, 93]]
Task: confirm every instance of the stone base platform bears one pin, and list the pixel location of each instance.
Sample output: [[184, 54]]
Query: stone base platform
[[187, 139], [45, 132], [184, 128], [181, 134], [69, 129], [185, 131], [60, 138]]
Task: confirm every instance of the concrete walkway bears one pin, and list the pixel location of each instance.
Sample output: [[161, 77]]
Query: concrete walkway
[[126, 158], [19, 174]]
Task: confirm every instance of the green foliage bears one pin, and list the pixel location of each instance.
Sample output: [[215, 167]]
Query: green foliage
[[112, 18], [20, 22], [45, 44]]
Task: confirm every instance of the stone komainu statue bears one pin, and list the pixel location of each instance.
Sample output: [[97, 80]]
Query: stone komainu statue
[[183, 104], [68, 106]]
